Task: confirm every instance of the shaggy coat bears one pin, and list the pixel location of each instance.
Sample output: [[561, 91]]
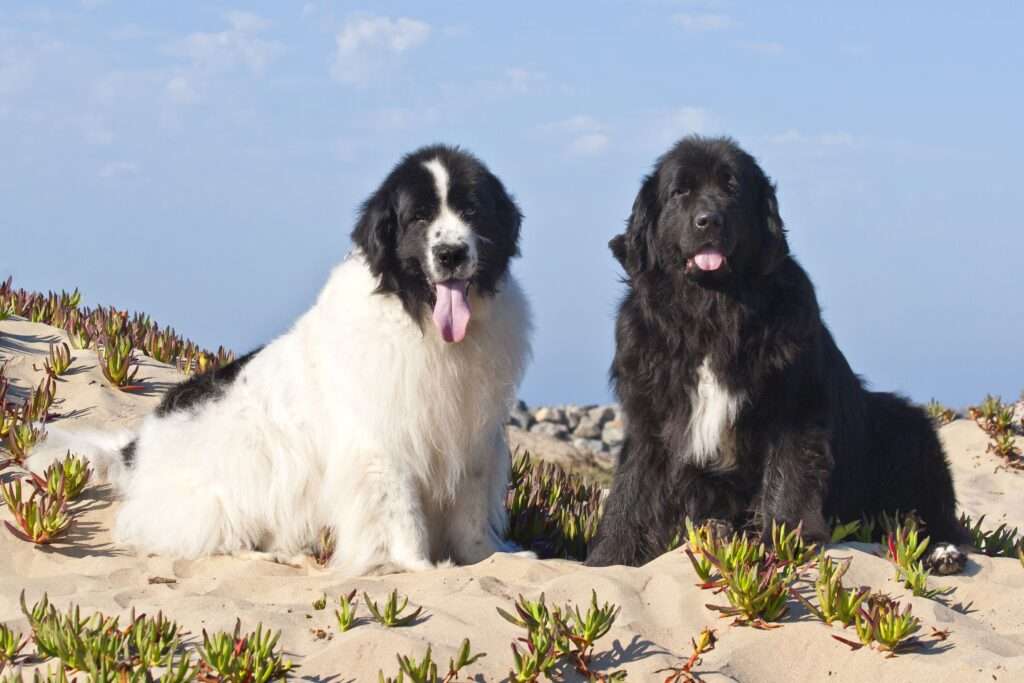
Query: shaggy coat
[[379, 415], [739, 405]]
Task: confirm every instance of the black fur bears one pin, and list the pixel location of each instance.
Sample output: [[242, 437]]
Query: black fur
[[391, 229], [201, 388], [810, 442], [197, 389]]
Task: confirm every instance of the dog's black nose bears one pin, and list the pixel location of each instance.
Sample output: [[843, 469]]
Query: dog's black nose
[[451, 256], [707, 219]]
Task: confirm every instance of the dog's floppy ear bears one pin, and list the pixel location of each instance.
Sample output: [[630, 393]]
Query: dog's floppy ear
[[509, 215], [634, 249], [776, 248], [376, 232]]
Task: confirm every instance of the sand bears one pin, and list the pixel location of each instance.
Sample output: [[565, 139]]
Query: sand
[[661, 608]]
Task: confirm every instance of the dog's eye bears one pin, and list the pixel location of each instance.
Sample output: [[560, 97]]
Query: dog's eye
[[469, 211], [681, 192], [419, 218]]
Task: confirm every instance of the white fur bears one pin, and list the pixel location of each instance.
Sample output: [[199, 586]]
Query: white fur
[[448, 227], [357, 419], [714, 410]]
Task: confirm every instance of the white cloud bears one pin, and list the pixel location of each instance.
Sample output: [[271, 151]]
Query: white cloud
[[118, 169], [365, 45], [239, 44], [699, 23], [180, 90], [586, 135], [671, 125]]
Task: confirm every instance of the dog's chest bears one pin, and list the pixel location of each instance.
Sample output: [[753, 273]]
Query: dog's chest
[[713, 412]]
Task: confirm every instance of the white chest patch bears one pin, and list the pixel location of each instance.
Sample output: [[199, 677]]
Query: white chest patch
[[714, 410]]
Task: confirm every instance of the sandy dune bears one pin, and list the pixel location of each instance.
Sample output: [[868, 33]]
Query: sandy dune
[[661, 607]]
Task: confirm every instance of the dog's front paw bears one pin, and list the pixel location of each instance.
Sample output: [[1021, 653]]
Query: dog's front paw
[[945, 559]]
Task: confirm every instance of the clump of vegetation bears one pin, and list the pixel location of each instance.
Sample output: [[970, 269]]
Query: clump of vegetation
[[58, 361], [702, 644], [346, 612], [939, 413], [835, 601], [22, 433], [905, 545], [390, 613], [425, 669], [237, 658], [551, 511], [118, 363], [11, 645], [755, 580], [996, 419], [324, 550], [1002, 542], [40, 519], [557, 634], [64, 479], [99, 647], [883, 625]]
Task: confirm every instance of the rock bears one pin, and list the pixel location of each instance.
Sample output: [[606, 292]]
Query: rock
[[601, 414], [588, 427], [520, 416], [552, 429], [550, 414], [594, 446], [573, 413], [612, 433]]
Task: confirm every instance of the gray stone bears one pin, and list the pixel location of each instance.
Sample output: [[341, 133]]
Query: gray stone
[[552, 429], [588, 427], [550, 414], [573, 413], [520, 416], [601, 414], [594, 446], [612, 433]]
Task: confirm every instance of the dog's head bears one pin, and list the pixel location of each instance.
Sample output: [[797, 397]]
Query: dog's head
[[440, 225], [707, 213]]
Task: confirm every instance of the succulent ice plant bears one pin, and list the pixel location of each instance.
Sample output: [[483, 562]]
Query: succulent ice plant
[[389, 613], [58, 361], [117, 362], [237, 658], [40, 519], [64, 479]]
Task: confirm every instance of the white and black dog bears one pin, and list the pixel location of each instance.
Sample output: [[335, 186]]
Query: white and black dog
[[380, 414]]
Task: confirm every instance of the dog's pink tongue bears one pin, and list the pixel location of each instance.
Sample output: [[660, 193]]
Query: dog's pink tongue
[[451, 312], [709, 259]]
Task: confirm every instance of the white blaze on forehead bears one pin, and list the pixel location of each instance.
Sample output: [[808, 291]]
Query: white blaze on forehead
[[441, 180], [448, 226]]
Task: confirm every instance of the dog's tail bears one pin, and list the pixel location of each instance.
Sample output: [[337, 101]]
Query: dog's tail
[[109, 453]]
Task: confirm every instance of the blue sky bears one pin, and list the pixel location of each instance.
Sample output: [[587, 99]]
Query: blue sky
[[203, 162]]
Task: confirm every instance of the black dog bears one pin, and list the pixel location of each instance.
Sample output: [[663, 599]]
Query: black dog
[[739, 405]]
